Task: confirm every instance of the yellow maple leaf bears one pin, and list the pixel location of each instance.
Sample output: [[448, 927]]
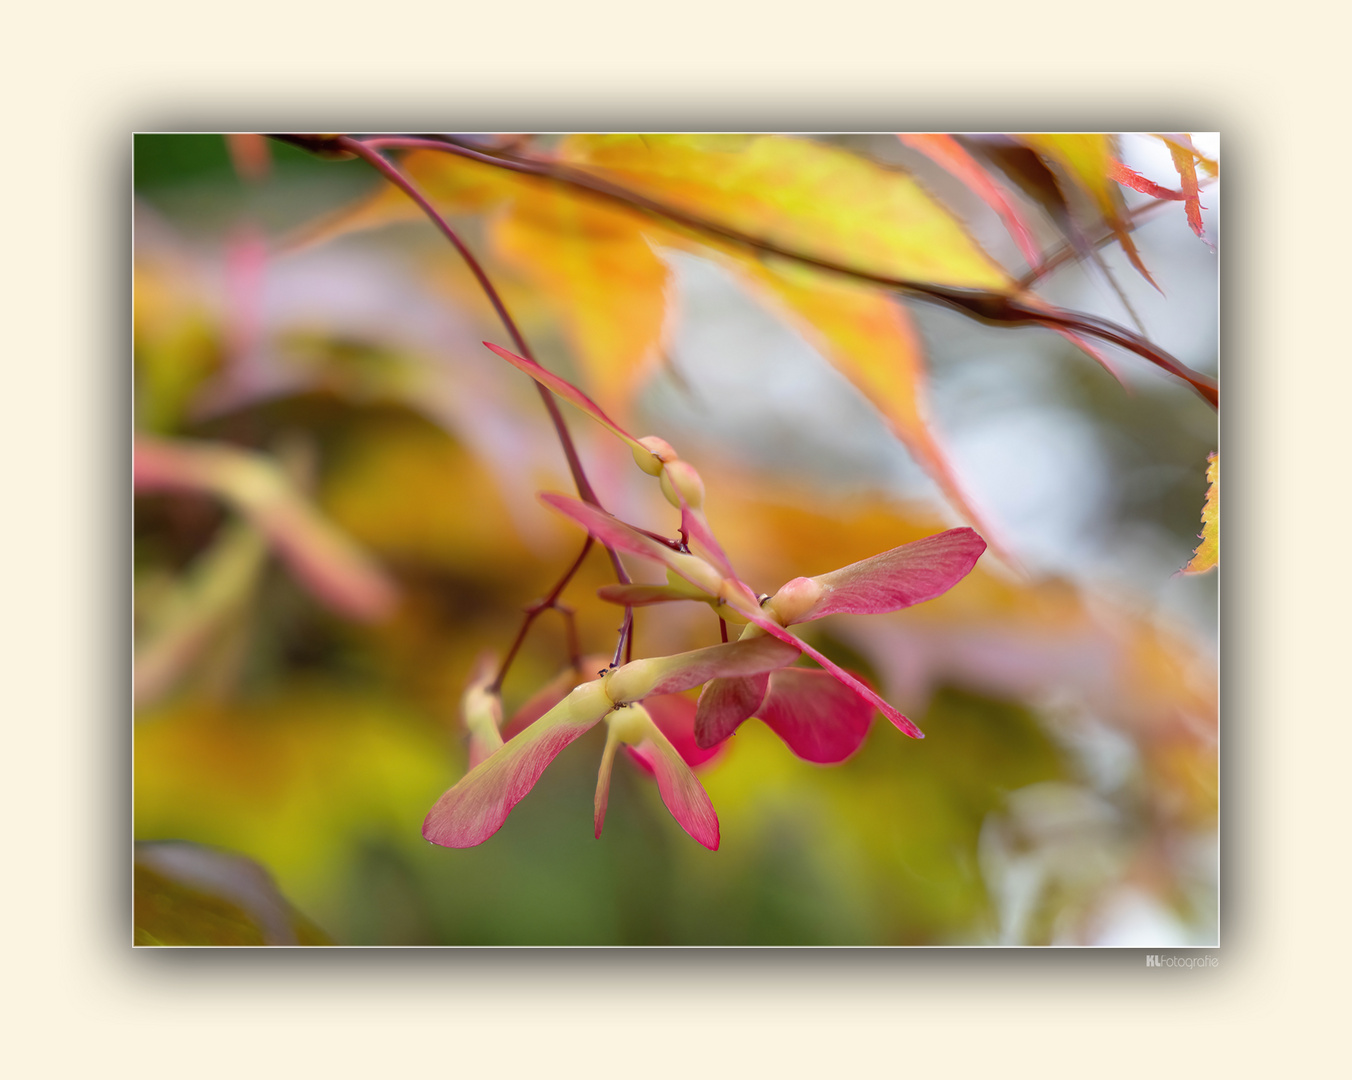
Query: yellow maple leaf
[[806, 195], [592, 266], [1208, 553]]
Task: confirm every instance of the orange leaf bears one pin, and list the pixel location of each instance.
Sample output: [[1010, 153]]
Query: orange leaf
[[1134, 180], [594, 267], [1208, 553], [1187, 175], [831, 203]]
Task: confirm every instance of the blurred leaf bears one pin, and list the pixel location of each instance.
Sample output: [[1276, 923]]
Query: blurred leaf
[[1088, 159], [454, 185], [605, 282], [1184, 140], [198, 610], [1187, 174], [946, 151], [250, 154], [406, 489], [186, 894], [330, 565], [1208, 553], [1188, 776], [290, 779], [177, 343]]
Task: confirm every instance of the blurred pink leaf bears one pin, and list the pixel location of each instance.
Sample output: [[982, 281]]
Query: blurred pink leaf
[[199, 611], [334, 569]]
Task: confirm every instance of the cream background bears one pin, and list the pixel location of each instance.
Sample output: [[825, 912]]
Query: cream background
[[77, 999]]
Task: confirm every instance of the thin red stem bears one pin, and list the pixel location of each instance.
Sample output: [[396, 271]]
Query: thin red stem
[[584, 488], [626, 636], [535, 610]]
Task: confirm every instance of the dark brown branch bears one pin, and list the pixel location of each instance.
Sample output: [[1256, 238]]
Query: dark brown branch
[[993, 308]]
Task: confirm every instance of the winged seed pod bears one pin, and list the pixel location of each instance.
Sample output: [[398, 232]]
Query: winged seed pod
[[821, 715], [475, 808]]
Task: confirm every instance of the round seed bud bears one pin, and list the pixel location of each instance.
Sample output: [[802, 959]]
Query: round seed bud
[[681, 476], [659, 452], [588, 701], [646, 460], [795, 600]]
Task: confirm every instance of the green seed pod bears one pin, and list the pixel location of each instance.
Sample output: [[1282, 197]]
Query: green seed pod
[[634, 680]]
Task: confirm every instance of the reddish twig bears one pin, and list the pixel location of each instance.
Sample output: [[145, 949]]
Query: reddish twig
[[584, 488], [626, 638], [539, 607]]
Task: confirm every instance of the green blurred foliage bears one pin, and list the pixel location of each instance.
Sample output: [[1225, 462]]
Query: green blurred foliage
[[186, 894]]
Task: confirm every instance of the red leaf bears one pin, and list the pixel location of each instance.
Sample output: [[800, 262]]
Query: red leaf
[[724, 704], [818, 718], [906, 575], [1132, 179], [681, 791]]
